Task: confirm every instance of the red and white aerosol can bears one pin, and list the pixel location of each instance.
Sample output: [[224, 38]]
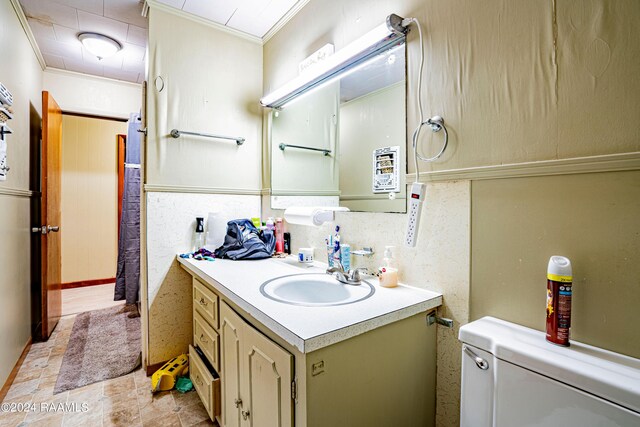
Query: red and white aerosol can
[[559, 280]]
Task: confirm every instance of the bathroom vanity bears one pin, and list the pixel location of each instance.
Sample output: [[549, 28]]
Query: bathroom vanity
[[268, 362]]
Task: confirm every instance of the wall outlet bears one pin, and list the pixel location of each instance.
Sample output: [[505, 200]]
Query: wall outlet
[[415, 208], [317, 368]]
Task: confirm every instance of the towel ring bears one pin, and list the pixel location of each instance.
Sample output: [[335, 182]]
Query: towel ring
[[437, 124]]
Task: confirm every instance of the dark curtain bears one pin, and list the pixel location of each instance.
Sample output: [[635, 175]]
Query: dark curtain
[[128, 273]]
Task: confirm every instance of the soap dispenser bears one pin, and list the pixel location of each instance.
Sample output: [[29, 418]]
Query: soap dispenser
[[389, 270], [198, 240]]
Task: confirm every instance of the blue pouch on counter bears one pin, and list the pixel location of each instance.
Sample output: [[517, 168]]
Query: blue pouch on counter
[[244, 241]]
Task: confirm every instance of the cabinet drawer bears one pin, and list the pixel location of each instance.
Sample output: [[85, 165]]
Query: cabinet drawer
[[207, 385], [207, 339], [205, 302]]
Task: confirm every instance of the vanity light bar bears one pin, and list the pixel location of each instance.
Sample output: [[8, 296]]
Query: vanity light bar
[[376, 40]]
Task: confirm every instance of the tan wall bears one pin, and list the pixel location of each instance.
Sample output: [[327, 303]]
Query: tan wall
[[593, 219], [81, 93], [516, 82], [20, 72], [89, 197], [212, 84]]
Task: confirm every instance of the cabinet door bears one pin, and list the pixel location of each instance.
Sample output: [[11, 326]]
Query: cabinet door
[[266, 382], [231, 330]]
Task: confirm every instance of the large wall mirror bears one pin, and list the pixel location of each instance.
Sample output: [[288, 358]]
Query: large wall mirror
[[343, 143]]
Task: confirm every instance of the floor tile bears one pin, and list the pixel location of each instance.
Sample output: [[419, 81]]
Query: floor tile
[[163, 420], [23, 389], [54, 420], [92, 417], [27, 374], [119, 385], [192, 414], [185, 399], [40, 362], [123, 417], [153, 405], [120, 402], [47, 409]]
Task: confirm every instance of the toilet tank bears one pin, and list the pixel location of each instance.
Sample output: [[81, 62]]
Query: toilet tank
[[512, 377]]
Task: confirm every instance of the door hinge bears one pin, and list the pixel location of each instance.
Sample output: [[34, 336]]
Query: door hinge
[[294, 390]]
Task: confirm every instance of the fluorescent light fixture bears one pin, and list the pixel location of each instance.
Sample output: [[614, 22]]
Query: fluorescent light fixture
[[372, 43], [100, 45]]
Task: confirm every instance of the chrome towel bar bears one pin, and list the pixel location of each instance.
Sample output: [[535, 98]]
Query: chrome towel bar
[[282, 146], [176, 134]]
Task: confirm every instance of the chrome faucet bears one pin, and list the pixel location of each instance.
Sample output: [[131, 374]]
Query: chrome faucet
[[351, 277]]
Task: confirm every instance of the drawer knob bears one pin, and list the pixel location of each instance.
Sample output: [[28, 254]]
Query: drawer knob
[[199, 380], [238, 402], [203, 339], [203, 302], [245, 415]]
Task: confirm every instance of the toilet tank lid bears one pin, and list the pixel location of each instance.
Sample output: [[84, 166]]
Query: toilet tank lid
[[611, 376]]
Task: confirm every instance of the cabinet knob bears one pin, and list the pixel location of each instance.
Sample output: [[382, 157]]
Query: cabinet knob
[[198, 380], [238, 402], [203, 302], [245, 415], [203, 339]]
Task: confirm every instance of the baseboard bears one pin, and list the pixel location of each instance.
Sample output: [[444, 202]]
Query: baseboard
[[152, 368], [83, 283], [14, 372]]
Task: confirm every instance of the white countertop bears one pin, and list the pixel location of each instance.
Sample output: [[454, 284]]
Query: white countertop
[[308, 328]]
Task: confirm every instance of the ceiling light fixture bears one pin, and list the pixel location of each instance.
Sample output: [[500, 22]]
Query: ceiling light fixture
[[100, 45]]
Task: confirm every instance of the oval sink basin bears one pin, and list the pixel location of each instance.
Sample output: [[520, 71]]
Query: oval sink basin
[[314, 290]]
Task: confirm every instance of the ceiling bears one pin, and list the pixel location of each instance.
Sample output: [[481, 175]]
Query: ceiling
[[56, 24]]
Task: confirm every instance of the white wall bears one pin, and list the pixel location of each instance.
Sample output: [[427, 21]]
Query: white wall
[[99, 96], [20, 72]]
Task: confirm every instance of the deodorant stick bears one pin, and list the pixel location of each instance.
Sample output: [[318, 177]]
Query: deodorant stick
[[559, 280]]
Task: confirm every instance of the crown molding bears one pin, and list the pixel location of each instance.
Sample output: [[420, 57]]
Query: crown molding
[[593, 164], [154, 4], [27, 30], [284, 20]]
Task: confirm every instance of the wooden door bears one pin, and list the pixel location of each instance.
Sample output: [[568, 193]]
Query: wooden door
[[122, 140], [51, 214], [267, 371], [230, 329]]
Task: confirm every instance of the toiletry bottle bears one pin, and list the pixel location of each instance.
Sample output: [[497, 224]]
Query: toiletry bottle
[[198, 241], [559, 281], [287, 243], [336, 247], [271, 224], [256, 222], [279, 236], [329, 242], [389, 270], [345, 256]]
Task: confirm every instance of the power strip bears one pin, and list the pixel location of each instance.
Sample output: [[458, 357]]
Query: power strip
[[415, 208]]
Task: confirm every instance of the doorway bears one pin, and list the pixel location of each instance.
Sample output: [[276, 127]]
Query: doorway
[[91, 166]]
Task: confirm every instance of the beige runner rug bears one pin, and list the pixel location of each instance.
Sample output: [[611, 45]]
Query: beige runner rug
[[104, 344]]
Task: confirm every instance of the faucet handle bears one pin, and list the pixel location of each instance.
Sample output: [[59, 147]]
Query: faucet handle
[[354, 275]]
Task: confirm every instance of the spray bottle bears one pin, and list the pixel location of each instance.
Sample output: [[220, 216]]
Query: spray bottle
[[559, 281]]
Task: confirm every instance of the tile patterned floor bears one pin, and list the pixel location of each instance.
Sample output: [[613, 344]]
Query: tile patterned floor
[[124, 401]]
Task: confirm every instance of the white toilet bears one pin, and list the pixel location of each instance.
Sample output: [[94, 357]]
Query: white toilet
[[512, 377]]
